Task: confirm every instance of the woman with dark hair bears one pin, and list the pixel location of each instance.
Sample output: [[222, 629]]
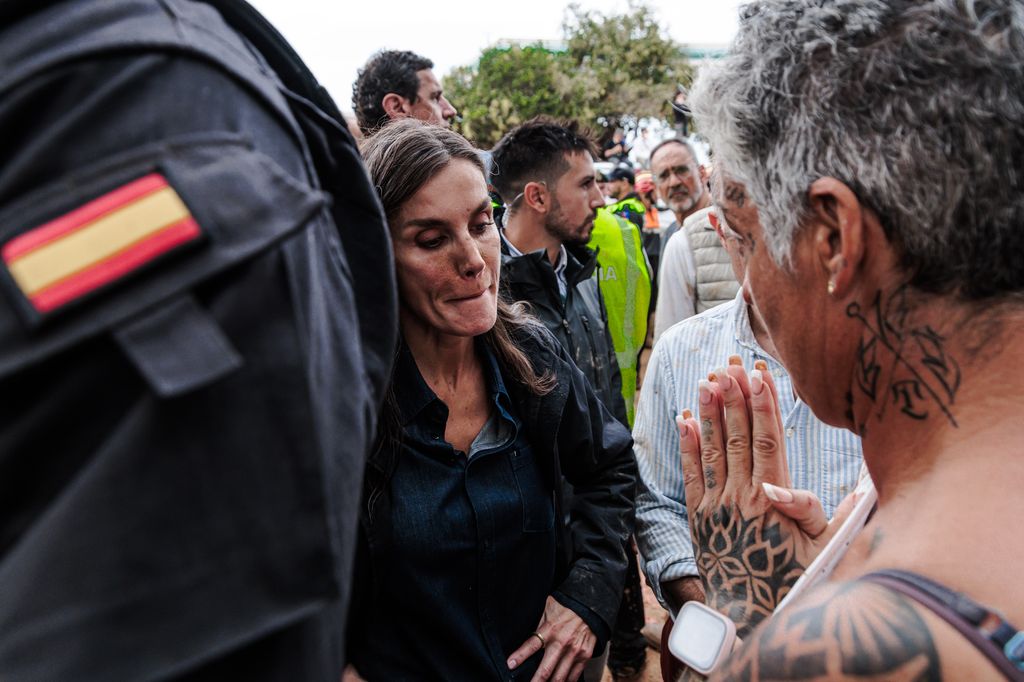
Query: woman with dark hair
[[467, 568]]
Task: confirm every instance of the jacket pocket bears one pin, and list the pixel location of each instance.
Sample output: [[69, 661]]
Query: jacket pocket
[[537, 500]]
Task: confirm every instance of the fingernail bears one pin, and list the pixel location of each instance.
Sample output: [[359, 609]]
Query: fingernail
[[684, 432], [512, 663], [704, 388], [687, 414], [712, 376], [756, 382], [735, 360], [723, 379], [776, 494], [761, 365]]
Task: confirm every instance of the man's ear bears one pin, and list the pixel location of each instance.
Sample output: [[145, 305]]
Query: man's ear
[[535, 195], [840, 230], [395, 106]]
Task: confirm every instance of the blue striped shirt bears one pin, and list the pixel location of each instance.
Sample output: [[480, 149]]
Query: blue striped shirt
[[822, 459]]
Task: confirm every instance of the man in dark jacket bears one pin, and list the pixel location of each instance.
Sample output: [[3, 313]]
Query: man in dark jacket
[[545, 172], [197, 320]]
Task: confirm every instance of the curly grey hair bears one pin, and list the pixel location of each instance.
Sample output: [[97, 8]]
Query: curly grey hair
[[918, 106]]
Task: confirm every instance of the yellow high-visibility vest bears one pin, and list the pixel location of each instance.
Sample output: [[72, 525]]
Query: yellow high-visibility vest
[[623, 207], [625, 280]]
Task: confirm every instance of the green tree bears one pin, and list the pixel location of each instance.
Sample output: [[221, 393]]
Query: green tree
[[506, 87], [614, 70], [634, 65]]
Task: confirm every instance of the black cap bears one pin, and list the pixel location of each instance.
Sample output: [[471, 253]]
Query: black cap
[[622, 173]]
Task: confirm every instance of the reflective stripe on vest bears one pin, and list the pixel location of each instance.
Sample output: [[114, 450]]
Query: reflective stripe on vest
[[625, 282]]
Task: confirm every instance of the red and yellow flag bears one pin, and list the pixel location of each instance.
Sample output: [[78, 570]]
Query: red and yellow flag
[[100, 242]]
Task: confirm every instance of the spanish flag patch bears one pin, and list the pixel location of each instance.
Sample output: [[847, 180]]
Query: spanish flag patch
[[105, 240]]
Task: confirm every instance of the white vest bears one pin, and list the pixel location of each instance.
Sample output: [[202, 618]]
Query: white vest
[[715, 282]]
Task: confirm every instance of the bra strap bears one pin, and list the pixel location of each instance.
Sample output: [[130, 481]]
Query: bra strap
[[984, 628]]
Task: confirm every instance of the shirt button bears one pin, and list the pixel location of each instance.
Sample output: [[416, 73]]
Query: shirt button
[[789, 432]]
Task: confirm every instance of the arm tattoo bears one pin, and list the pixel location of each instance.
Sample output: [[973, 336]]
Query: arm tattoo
[[901, 365], [747, 566], [852, 630]]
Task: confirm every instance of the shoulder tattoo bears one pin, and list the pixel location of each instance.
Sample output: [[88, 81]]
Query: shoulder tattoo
[[853, 630]]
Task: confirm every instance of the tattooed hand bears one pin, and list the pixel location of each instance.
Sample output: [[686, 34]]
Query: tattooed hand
[[750, 548]]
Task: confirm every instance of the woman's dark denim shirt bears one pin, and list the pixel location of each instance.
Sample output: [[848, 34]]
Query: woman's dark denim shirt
[[467, 558]]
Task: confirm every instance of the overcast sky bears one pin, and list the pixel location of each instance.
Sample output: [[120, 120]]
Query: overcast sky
[[336, 38]]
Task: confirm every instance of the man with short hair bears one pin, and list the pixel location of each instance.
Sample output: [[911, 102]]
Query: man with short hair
[[694, 272], [620, 182], [399, 84], [627, 202], [678, 179], [545, 173]]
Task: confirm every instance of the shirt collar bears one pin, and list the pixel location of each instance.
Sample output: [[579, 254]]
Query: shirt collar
[[413, 395], [744, 334], [560, 263]]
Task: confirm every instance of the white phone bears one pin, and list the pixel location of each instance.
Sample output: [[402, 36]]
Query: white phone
[[822, 566]]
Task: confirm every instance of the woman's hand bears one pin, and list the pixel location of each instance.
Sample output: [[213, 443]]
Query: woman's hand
[[567, 642], [753, 537]]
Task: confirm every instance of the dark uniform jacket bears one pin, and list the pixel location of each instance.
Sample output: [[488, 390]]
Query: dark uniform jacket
[[197, 319], [579, 322], [576, 438]]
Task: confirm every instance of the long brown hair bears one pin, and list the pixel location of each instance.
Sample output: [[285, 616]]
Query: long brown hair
[[401, 158]]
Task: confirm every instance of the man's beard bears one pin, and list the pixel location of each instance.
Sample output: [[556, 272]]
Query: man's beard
[[685, 207], [570, 235]]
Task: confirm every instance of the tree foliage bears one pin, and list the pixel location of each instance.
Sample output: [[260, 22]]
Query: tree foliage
[[506, 87], [633, 65], [614, 70]]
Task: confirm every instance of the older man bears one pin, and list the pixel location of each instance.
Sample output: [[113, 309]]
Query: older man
[[693, 272], [396, 84], [677, 176]]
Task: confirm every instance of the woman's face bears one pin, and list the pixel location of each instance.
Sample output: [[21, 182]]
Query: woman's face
[[791, 303], [448, 255]]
